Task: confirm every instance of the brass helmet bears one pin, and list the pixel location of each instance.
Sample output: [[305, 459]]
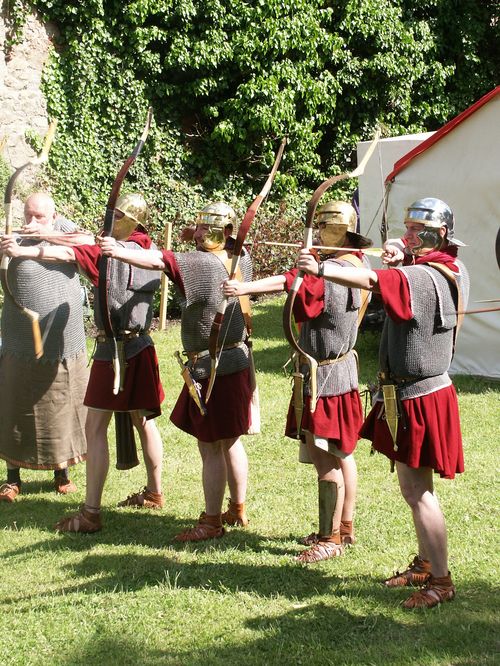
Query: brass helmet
[[217, 216], [433, 214], [135, 212], [337, 220]]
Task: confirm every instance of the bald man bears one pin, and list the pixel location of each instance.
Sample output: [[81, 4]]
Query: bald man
[[42, 416]]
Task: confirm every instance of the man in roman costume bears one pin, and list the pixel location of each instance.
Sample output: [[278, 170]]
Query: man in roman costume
[[414, 420]]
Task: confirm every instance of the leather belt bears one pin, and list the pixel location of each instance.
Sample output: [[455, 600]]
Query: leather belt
[[389, 378], [122, 335], [194, 356], [328, 361]]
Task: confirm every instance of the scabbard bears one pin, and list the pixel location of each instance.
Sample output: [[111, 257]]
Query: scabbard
[[122, 362], [254, 428], [391, 410], [126, 450], [193, 387], [298, 395]]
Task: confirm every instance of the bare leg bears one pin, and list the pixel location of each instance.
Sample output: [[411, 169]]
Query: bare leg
[[350, 475], [417, 489], [214, 475], [152, 450], [96, 431], [237, 469]]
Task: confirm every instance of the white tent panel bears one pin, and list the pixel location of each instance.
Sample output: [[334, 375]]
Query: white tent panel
[[462, 169], [372, 182]]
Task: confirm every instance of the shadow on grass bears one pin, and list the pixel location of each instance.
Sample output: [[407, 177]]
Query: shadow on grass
[[326, 633], [179, 566], [154, 530], [356, 621]]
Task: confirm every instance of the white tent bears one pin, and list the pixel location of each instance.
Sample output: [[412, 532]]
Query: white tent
[[460, 164]]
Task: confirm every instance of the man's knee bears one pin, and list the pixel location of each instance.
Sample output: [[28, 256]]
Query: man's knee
[[209, 450], [410, 494]]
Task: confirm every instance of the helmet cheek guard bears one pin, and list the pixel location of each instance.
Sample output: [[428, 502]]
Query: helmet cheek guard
[[216, 216], [430, 239], [337, 220], [214, 239], [434, 214], [134, 211]]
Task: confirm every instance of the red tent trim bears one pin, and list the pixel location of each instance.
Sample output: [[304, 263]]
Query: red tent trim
[[445, 129]]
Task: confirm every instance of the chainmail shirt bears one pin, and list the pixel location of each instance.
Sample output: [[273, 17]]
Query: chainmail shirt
[[130, 300], [202, 275], [419, 352], [54, 292]]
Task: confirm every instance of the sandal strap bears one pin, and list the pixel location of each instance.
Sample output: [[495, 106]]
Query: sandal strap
[[200, 532], [417, 573], [435, 592], [84, 522], [321, 550], [310, 539]]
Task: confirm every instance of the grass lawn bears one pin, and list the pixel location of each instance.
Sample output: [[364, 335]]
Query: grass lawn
[[128, 595]]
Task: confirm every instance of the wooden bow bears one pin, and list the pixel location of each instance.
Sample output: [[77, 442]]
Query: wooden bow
[[4, 265], [103, 284], [308, 243], [497, 248], [237, 251]]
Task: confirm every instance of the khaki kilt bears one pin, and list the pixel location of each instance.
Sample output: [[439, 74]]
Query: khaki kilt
[[42, 416]]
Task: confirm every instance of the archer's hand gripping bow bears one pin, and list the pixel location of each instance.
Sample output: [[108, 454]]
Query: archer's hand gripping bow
[[308, 243], [104, 261], [237, 251]]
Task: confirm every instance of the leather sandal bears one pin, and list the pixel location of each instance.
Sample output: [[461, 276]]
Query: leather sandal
[[435, 592], [235, 516], [84, 522], [145, 498], [64, 486], [346, 538], [9, 492], [200, 532], [310, 539], [321, 550], [347, 534], [418, 573]]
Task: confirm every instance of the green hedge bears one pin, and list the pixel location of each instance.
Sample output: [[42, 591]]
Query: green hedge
[[228, 78]]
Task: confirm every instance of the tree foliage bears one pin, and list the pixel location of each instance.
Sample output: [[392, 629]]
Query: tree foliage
[[228, 78]]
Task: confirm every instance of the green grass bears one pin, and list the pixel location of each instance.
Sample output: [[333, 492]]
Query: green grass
[[128, 595]]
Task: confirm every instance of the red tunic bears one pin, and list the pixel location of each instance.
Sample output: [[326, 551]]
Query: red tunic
[[336, 417], [228, 410], [432, 437], [143, 389]]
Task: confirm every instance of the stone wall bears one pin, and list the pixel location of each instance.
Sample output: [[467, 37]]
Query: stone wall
[[22, 103]]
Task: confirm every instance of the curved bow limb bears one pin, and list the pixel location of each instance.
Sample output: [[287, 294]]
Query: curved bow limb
[[4, 264], [213, 342], [103, 284], [497, 247], [308, 244]]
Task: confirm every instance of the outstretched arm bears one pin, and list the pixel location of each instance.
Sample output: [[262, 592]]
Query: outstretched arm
[[149, 259], [269, 285], [51, 254], [363, 278]]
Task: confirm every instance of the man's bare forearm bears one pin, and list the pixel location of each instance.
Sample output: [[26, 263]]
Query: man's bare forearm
[[149, 259], [54, 254], [363, 278], [269, 285]]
